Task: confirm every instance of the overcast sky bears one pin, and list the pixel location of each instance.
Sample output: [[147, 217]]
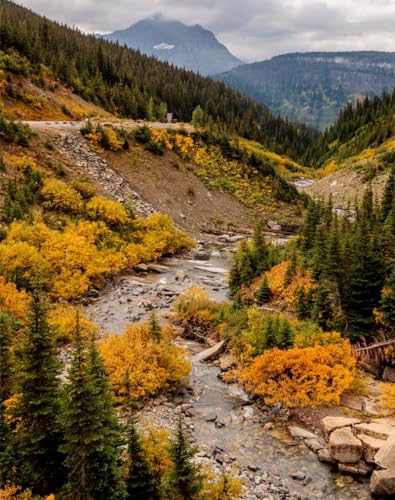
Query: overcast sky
[[251, 29]]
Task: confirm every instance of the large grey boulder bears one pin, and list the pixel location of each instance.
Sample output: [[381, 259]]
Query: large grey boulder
[[329, 424], [211, 353], [382, 483], [300, 433], [385, 457], [344, 446], [375, 430]]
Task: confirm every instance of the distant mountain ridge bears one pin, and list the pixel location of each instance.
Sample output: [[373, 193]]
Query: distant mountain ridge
[[313, 87], [190, 47]]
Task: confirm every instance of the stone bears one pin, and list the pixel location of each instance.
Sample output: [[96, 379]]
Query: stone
[[385, 457], [389, 374], [142, 268], [324, 457], [260, 491], [210, 416], [201, 255], [315, 444], [370, 446], [329, 424], [226, 362], [344, 446], [300, 433], [382, 483], [375, 429], [298, 475], [211, 353], [180, 275], [274, 226], [358, 469]]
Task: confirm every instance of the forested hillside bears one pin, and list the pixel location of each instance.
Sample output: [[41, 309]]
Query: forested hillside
[[314, 87], [132, 85]]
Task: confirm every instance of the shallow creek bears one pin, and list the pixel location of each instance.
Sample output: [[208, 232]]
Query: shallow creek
[[223, 418]]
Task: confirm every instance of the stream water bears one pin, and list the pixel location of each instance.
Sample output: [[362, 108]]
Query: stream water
[[223, 418]]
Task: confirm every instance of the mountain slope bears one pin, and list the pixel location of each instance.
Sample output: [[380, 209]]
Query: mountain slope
[[129, 84], [314, 87], [190, 47]]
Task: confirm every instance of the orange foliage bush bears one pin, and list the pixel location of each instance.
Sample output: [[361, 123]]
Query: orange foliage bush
[[112, 212], [302, 376], [149, 365], [60, 196], [12, 300]]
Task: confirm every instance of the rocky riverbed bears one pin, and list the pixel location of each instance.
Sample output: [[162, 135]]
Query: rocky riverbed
[[232, 433]]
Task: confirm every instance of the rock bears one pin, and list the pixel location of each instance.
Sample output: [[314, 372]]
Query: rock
[[93, 293], [180, 276], [219, 423], [382, 483], [314, 444], [298, 475], [210, 353], [389, 374], [359, 469], [274, 226], [344, 446], [375, 429], [157, 268], [329, 424], [385, 457], [226, 362], [201, 255], [210, 416], [141, 268], [324, 457], [370, 446], [300, 433], [260, 491]]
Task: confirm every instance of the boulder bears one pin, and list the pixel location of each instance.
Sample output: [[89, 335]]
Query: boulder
[[142, 268], [329, 424], [211, 353], [382, 483], [201, 255], [370, 446], [385, 457], [226, 362], [300, 433], [389, 374], [375, 430], [315, 444], [359, 469], [324, 457], [344, 446], [274, 226]]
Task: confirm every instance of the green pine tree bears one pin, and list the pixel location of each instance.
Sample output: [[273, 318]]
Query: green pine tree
[[155, 329], [92, 433], [387, 304], [263, 294], [37, 382], [7, 330], [141, 482], [198, 117], [7, 456], [184, 480], [260, 253]]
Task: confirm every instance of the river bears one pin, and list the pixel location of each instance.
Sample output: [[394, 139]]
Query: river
[[227, 427]]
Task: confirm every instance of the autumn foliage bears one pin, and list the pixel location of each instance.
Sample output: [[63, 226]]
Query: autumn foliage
[[309, 376], [149, 364]]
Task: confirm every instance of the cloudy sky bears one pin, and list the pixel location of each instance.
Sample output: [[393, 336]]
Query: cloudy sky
[[252, 29]]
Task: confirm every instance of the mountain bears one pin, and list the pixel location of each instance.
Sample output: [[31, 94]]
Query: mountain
[[132, 85], [190, 47], [314, 87]]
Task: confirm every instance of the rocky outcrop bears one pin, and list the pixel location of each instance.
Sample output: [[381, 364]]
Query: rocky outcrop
[[344, 446], [77, 149], [211, 353], [330, 424], [382, 483], [385, 456]]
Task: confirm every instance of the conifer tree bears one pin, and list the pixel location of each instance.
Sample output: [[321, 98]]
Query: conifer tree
[[6, 331], [388, 196], [184, 480], [155, 329], [387, 304], [7, 458], [141, 482], [38, 408], [263, 294], [92, 438], [260, 254]]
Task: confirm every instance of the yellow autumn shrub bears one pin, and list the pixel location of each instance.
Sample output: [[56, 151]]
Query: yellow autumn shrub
[[111, 212], [11, 492], [387, 398], [223, 487], [302, 376], [63, 319], [12, 300], [149, 365], [60, 196], [156, 444]]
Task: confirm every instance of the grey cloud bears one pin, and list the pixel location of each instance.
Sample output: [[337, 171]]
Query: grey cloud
[[252, 29]]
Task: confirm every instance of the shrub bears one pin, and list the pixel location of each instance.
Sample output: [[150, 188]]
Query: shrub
[[149, 364], [302, 377], [387, 398], [112, 212], [59, 196]]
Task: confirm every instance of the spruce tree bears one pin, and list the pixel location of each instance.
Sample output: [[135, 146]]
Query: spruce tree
[[140, 483], [184, 480], [7, 329], [92, 434], [38, 408], [387, 304], [155, 329], [7, 457], [263, 294], [260, 254], [388, 196]]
